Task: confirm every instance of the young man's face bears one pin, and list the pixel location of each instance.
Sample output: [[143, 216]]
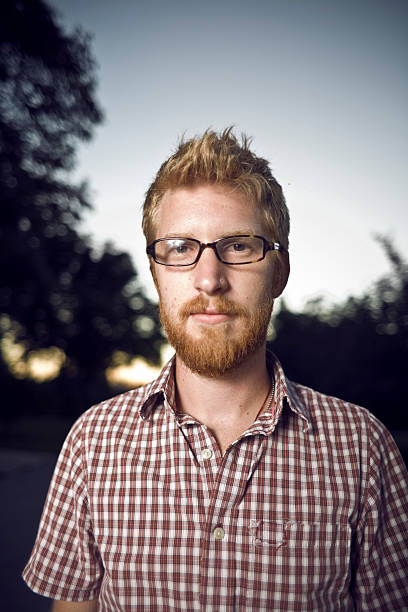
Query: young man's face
[[215, 314]]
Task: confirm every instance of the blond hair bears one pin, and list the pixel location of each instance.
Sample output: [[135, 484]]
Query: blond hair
[[220, 159]]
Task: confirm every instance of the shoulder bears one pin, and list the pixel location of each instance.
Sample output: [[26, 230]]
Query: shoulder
[[333, 411], [113, 418], [101, 433], [329, 419], [344, 423], [116, 409], [127, 410]]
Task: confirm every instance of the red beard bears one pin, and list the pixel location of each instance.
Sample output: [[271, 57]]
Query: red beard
[[215, 351]]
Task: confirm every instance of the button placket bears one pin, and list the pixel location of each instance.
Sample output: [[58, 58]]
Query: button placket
[[206, 454]]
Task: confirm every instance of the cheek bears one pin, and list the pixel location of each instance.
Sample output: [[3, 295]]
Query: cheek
[[171, 291]]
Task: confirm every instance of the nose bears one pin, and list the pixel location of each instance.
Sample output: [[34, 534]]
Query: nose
[[210, 273]]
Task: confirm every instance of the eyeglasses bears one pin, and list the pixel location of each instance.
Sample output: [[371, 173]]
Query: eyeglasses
[[232, 250]]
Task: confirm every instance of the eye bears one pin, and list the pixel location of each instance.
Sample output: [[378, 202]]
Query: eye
[[176, 251], [180, 247], [237, 245], [241, 249]]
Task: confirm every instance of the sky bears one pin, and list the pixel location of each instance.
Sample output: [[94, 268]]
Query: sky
[[320, 86]]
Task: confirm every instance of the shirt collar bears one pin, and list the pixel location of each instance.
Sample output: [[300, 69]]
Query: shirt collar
[[286, 392], [163, 388]]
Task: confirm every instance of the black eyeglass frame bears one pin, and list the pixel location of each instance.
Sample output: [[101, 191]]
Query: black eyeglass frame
[[267, 246]]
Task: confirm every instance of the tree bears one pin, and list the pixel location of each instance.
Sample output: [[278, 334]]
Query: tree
[[357, 350], [55, 290]]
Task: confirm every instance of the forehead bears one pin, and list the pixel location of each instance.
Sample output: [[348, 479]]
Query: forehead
[[207, 212]]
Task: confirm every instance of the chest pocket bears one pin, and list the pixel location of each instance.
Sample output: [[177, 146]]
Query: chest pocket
[[314, 557], [267, 534], [298, 534]]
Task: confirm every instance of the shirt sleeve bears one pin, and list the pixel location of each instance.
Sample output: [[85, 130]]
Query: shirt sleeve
[[380, 561], [65, 563]]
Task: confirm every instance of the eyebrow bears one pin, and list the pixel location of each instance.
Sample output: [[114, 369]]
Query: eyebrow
[[239, 232]]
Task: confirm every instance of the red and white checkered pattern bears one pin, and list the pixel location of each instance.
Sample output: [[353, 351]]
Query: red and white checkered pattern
[[306, 511]]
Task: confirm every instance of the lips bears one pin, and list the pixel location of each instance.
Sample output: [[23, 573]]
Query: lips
[[210, 317], [210, 311]]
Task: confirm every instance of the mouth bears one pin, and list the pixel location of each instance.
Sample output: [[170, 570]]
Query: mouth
[[210, 317]]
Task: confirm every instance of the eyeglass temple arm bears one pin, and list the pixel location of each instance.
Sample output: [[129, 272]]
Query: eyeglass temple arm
[[276, 246]]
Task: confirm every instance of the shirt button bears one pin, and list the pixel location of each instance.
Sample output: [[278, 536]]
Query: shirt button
[[219, 533], [206, 453]]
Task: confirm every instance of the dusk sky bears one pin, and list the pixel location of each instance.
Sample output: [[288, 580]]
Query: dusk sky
[[321, 86]]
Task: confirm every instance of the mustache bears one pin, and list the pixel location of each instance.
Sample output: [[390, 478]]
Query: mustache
[[221, 304]]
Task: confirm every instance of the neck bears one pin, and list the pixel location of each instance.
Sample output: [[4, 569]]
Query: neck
[[230, 400]]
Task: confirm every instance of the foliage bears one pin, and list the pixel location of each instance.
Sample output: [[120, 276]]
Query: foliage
[[55, 290], [357, 350]]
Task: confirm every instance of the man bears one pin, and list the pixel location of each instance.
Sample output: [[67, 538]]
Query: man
[[222, 485]]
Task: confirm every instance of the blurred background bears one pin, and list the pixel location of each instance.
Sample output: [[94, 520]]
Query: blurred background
[[94, 96]]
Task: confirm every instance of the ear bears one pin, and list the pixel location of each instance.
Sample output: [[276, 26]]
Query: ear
[[280, 273]]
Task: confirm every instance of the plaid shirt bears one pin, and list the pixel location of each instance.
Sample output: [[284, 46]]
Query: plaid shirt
[[306, 511]]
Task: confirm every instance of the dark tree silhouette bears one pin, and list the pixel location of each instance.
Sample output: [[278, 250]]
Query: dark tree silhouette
[[357, 350], [54, 289], [46, 104]]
